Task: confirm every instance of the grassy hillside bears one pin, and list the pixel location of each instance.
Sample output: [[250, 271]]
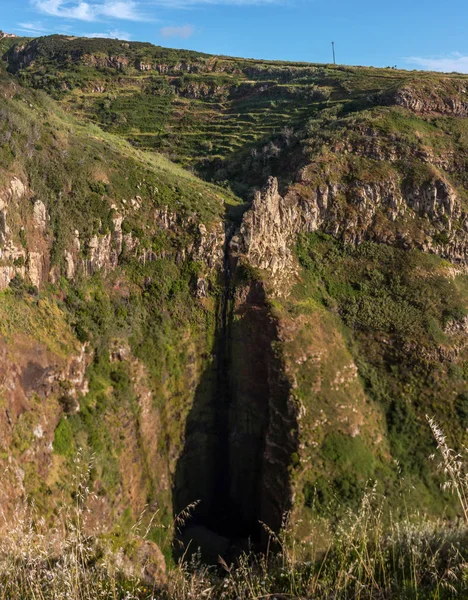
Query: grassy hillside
[[238, 121], [279, 352], [103, 347], [396, 313], [211, 113]]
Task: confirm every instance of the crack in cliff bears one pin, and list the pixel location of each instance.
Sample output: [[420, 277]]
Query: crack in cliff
[[238, 440], [221, 507]]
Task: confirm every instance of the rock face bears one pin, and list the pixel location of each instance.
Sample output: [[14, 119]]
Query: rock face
[[15, 254], [32, 379], [109, 62], [207, 248], [241, 431], [143, 560], [267, 233], [445, 97], [13, 257], [263, 416], [381, 211], [101, 252], [35, 268], [40, 215]]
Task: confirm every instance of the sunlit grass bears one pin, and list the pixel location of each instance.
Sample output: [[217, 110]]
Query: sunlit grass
[[368, 556]]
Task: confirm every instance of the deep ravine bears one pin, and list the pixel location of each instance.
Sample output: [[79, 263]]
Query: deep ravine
[[238, 441], [221, 504]]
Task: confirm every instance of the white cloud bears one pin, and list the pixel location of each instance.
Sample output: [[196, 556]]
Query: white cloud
[[194, 3], [38, 29], [129, 10], [451, 62], [32, 28], [183, 31], [113, 34], [121, 10], [85, 11]]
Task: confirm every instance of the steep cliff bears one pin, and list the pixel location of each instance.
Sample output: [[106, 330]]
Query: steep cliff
[[429, 216], [109, 263], [256, 357]]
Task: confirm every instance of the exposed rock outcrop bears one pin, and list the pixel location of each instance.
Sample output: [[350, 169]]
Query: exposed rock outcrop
[[32, 381], [144, 560], [40, 215], [266, 233], [13, 257], [109, 62], [383, 211], [443, 97], [207, 247]]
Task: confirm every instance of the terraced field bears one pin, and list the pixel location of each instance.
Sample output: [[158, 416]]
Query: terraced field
[[216, 115], [194, 131]]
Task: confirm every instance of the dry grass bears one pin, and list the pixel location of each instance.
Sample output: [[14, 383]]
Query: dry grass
[[369, 556]]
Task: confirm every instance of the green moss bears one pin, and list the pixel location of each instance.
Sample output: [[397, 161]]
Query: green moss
[[394, 306], [23, 433], [41, 318], [63, 439]]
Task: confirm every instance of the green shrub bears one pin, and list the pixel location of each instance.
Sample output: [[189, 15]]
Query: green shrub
[[461, 406], [63, 439]]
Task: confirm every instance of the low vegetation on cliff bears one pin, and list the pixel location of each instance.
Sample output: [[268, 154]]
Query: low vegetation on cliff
[[366, 555], [235, 289]]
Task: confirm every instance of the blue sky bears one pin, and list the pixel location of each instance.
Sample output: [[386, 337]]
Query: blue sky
[[410, 34]]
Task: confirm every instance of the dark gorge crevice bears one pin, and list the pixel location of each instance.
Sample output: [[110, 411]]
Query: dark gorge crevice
[[241, 430]]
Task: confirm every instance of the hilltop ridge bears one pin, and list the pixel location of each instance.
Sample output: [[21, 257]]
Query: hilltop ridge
[[217, 90]]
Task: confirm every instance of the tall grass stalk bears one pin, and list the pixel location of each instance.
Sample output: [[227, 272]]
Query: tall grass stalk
[[368, 555]]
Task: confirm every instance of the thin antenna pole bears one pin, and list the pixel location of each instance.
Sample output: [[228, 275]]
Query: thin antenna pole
[[333, 48]]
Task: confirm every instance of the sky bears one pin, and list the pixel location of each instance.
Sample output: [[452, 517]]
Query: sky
[[411, 34]]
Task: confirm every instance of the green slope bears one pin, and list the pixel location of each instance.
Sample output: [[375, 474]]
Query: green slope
[[374, 324]]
